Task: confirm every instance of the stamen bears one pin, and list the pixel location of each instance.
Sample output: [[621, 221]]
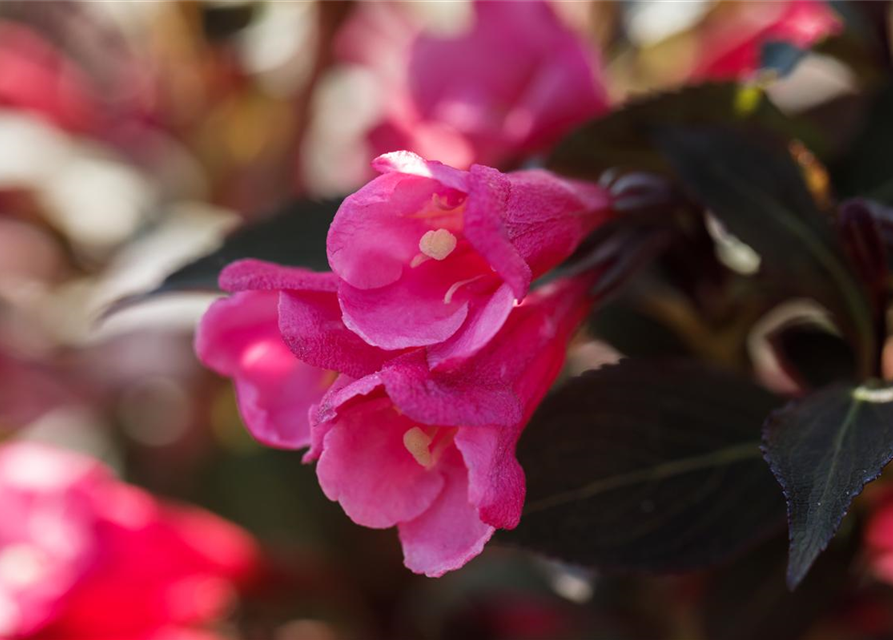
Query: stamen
[[437, 244], [417, 442], [419, 259], [448, 298], [446, 439]]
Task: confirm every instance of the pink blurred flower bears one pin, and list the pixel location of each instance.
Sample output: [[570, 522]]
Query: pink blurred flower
[[83, 555], [432, 452], [732, 48], [35, 77], [432, 256], [879, 537], [514, 83]]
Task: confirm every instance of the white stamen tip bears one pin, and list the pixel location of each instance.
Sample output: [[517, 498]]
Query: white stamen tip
[[417, 442], [437, 244]]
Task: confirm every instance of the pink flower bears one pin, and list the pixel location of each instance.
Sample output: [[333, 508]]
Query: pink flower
[[428, 255], [85, 556], [515, 82], [240, 337], [731, 49], [432, 452]]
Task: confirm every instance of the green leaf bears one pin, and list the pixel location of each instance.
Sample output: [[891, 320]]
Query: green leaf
[[823, 450], [646, 465], [623, 138], [754, 187], [294, 235]]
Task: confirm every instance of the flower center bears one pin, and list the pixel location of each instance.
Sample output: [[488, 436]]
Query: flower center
[[436, 244], [417, 442]]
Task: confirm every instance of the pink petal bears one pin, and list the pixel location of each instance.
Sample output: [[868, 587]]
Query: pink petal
[[435, 140], [484, 320], [366, 467], [459, 397], [517, 80], [488, 196], [376, 231], [410, 163], [496, 480], [257, 275], [409, 313], [503, 382], [311, 325], [343, 392], [239, 337], [559, 95], [547, 217], [450, 532]]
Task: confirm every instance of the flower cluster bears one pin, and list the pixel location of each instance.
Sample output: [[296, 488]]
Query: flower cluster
[[410, 370]]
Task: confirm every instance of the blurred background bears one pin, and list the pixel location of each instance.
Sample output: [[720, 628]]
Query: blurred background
[[133, 137]]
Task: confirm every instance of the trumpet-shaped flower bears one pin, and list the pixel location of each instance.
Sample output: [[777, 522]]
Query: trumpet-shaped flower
[[433, 451], [428, 255], [514, 82]]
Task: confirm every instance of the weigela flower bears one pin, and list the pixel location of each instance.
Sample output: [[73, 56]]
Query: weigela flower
[[428, 255], [513, 83], [433, 451], [517, 81], [440, 364], [83, 555]]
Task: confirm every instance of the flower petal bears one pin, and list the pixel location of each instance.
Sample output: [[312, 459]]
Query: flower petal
[[375, 233], [488, 195], [239, 337], [366, 467], [449, 398], [547, 217], [485, 318], [311, 325], [258, 275], [496, 479], [410, 163], [450, 532], [408, 313]]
